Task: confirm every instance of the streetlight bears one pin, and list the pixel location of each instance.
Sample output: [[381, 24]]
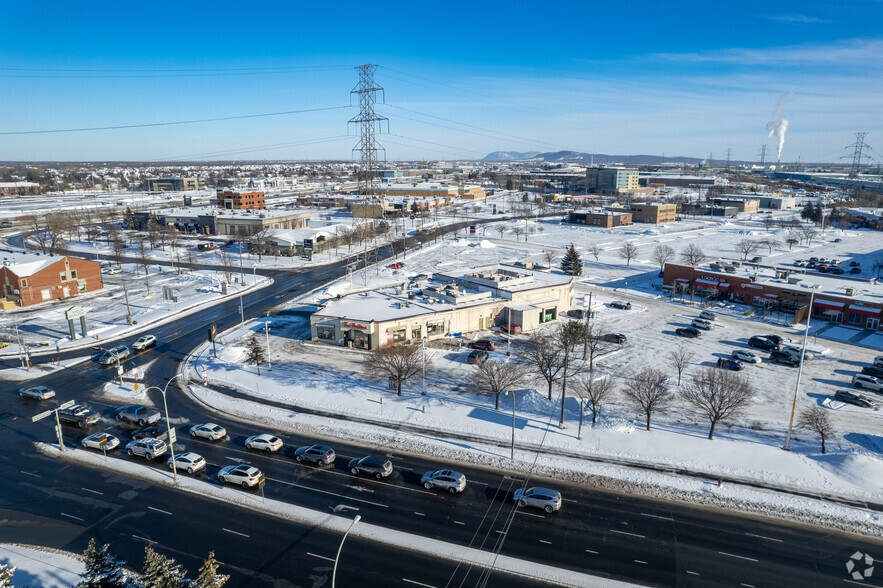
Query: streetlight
[[168, 423], [339, 549], [812, 294], [267, 332], [512, 455]]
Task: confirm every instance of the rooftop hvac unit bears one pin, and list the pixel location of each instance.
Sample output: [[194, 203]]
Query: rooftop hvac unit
[[730, 269], [792, 280], [851, 291]]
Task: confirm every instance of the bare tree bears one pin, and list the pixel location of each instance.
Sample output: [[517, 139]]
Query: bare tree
[[718, 394], [501, 229], [648, 392], [791, 241], [593, 343], [548, 255], [808, 234], [396, 362], [259, 244], [769, 243], [545, 357], [227, 263], [595, 251], [593, 392], [568, 335], [517, 231], [746, 247], [153, 231], [57, 226], [142, 251], [768, 222], [190, 254], [662, 254], [117, 243], [498, 377], [817, 420], [692, 254], [38, 233], [680, 358], [628, 252]]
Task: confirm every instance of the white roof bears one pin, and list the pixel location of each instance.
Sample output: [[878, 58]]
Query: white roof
[[28, 264]]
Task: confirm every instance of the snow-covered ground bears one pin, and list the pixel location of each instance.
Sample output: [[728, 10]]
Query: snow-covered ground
[[41, 567]]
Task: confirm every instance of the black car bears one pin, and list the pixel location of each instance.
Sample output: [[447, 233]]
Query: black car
[[688, 332], [872, 370], [618, 338], [756, 259], [620, 304], [785, 357], [477, 357], [774, 338], [763, 343], [854, 263], [838, 270], [147, 433], [380, 467], [855, 270], [853, 398]]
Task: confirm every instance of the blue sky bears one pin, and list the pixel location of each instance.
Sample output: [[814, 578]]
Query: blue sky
[[461, 79]]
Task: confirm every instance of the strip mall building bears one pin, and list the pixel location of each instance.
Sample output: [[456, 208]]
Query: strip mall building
[[850, 301]]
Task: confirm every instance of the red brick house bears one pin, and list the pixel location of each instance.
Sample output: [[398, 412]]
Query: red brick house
[[34, 279]]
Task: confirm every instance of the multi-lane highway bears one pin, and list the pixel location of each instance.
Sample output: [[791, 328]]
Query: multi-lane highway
[[54, 503]]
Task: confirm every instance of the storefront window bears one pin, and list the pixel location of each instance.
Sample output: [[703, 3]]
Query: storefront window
[[325, 332], [416, 333], [435, 328], [854, 318], [396, 335], [360, 340]]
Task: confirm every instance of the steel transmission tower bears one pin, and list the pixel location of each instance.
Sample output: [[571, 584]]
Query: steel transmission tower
[[369, 124], [858, 147], [762, 156]]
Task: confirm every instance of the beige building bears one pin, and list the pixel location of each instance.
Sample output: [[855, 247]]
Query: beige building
[[452, 302], [658, 214]]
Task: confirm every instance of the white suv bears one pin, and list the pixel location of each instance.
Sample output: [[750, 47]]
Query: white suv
[[700, 323], [868, 382], [148, 448]]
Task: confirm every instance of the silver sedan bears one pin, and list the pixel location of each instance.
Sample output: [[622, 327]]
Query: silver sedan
[[37, 392], [209, 431], [190, 462], [101, 441], [265, 442]]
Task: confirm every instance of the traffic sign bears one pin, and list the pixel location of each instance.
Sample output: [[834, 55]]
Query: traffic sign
[[42, 415], [67, 404]]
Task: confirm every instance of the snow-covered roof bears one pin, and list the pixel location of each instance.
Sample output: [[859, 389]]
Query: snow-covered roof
[[28, 264], [196, 211], [298, 235], [506, 277]]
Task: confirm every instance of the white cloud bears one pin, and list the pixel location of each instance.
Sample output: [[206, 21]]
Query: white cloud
[[864, 52]]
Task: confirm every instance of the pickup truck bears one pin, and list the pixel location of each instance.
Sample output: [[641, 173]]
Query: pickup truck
[[78, 415]]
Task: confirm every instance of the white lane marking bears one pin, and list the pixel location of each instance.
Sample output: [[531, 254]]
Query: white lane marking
[[590, 551], [459, 523], [29, 474], [158, 510], [747, 585], [692, 573], [640, 562], [647, 514], [546, 542], [332, 493], [417, 583], [629, 534], [64, 514], [320, 556], [234, 532], [92, 491], [419, 514], [763, 537], [738, 556], [145, 539], [501, 532], [530, 514]]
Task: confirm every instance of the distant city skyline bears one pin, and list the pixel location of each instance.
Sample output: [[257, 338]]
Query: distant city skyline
[[461, 80]]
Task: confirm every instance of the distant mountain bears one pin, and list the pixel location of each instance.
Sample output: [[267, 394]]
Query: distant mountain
[[510, 155], [590, 158]]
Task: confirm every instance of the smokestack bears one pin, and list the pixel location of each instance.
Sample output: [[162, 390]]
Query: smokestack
[[778, 127]]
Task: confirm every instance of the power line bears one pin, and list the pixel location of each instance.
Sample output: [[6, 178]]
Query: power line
[[253, 149], [23, 72], [180, 122]]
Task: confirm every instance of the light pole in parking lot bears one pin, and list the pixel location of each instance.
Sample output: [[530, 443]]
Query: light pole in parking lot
[[168, 423], [812, 293], [339, 549]]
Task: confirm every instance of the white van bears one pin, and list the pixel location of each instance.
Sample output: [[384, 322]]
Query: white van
[[702, 324], [707, 315]]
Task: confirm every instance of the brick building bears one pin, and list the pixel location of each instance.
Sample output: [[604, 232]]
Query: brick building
[[601, 218], [32, 279], [19, 189], [657, 214], [239, 200]]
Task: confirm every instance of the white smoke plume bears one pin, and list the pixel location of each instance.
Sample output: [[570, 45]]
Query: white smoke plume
[[778, 127]]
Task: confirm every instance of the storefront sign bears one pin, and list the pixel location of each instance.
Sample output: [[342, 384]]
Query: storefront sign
[[353, 326]]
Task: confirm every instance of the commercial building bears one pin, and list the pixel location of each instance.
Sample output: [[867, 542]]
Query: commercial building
[[19, 189], [32, 279], [173, 184], [240, 200], [601, 218], [643, 212], [451, 302], [611, 179], [211, 221], [771, 201], [851, 301], [424, 190], [741, 204], [662, 180]]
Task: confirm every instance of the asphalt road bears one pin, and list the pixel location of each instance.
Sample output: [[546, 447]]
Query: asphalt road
[[628, 538]]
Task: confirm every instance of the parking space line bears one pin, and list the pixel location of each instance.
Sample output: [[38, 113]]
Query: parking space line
[[640, 562], [29, 473], [692, 573], [235, 532], [92, 491], [763, 537], [419, 514], [629, 534], [737, 556], [145, 539], [546, 542], [158, 510], [329, 492], [417, 583], [530, 514], [64, 514], [459, 523], [590, 551], [647, 514], [320, 556]]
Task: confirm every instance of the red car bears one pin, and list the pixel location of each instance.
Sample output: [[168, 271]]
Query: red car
[[396, 265], [485, 344], [515, 328]]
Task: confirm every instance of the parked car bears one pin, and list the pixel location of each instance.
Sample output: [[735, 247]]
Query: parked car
[[873, 370], [396, 265], [114, 355], [688, 332], [763, 343], [513, 329], [745, 356], [878, 361], [838, 271], [265, 442], [102, 441], [617, 338], [838, 240], [477, 357], [785, 357], [144, 342], [319, 454], [209, 431], [775, 339], [189, 462], [380, 467], [853, 398], [37, 392], [800, 263], [205, 247], [854, 263], [548, 500], [78, 415], [855, 270], [621, 305], [796, 351], [729, 364], [485, 344], [243, 474], [137, 413], [756, 259], [113, 270], [147, 433], [577, 313], [702, 324], [449, 480], [147, 448], [708, 315], [866, 381]]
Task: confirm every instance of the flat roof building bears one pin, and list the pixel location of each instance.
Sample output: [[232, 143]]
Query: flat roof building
[[611, 179], [34, 279]]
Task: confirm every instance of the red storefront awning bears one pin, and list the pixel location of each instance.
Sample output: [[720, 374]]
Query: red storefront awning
[[682, 280], [723, 286], [705, 283], [828, 304], [864, 310]]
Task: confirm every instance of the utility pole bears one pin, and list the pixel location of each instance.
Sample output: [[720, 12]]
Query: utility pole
[[857, 156], [369, 123]]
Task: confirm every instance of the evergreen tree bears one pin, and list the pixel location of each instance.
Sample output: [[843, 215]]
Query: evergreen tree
[[818, 214], [162, 572], [808, 212], [6, 574], [255, 354], [572, 265], [103, 570], [129, 219], [208, 574]]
